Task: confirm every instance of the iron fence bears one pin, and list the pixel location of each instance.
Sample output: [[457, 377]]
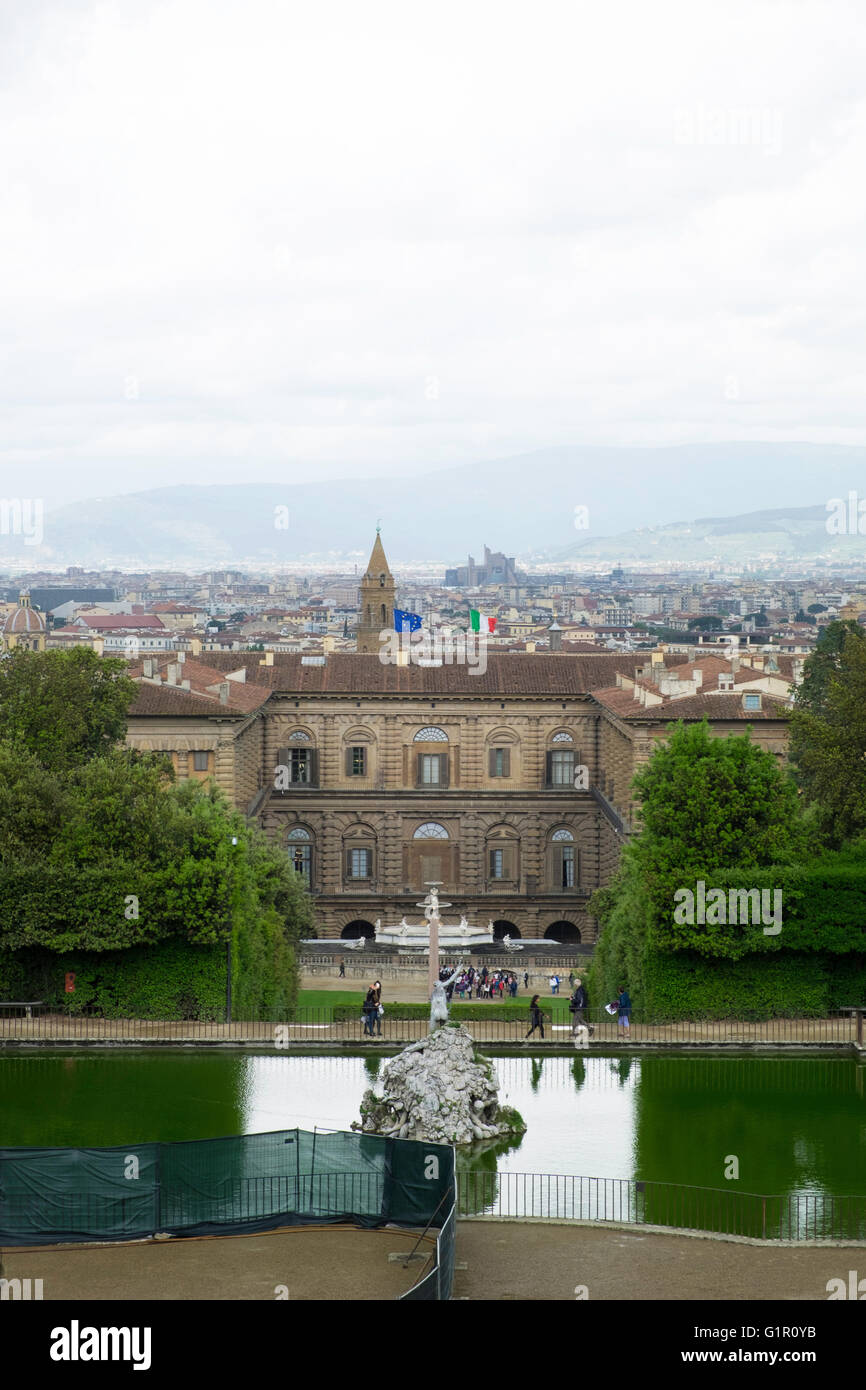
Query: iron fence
[[799, 1217], [490, 1023]]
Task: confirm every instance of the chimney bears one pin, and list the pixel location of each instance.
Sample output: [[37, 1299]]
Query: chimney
[[224, 692], [184, 685], [698, 678], [726, 681], [181, 657], [148, 668], [555, 632], [172, 673], [267, 659]]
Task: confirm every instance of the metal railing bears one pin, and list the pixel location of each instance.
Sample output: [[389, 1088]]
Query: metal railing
[[321, 1025], [564, 1197]]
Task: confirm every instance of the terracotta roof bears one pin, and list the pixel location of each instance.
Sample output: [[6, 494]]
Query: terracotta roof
[[716, 705], [350, 673], [173, 700], [111, 621]]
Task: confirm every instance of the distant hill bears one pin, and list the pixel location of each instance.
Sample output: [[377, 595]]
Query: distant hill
[[795, 533], [523, 505]]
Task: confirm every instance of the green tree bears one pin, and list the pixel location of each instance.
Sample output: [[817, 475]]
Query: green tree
[[828, 733], [65, 707]]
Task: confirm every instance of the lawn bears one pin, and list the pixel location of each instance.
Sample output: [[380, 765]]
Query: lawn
[[326, 998]]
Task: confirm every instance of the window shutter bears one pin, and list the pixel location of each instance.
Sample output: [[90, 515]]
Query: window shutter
[[506, 762], [577, 878], [348, 762], [443, 769], [348, 863], [493, 762], [419, 770], [314, 767], [492, 865], [549, 776]]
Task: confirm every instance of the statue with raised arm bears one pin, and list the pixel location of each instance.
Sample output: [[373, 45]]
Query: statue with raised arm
[[439, 1000]]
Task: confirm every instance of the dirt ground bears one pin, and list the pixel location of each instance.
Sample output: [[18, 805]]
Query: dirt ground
[[528, 1261], [301, 1263], [497, 1261]]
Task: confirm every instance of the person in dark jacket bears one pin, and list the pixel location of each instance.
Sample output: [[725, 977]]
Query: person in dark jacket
[[536, 1017], [623, 1011], [577, 1006], [370, 1010]]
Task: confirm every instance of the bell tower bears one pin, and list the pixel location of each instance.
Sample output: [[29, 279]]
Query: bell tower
[[377, 601]]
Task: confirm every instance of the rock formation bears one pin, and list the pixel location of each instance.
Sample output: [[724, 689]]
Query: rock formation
[[439, 1091]]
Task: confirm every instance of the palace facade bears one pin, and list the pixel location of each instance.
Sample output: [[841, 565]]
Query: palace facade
[[511, 787]]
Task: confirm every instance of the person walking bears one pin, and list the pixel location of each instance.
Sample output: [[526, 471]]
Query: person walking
[[571, 979], [526, 979], [623, 1011], [577, 1004], [342, 969], [536, 1017]]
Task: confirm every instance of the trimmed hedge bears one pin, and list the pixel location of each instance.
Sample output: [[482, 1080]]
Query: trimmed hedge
[[685, 985], [174, 981]]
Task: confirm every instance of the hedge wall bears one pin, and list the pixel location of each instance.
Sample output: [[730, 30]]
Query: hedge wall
[[171, 981], [686, 985]]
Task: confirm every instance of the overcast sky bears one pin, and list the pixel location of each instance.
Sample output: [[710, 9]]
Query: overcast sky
[[252, 240]]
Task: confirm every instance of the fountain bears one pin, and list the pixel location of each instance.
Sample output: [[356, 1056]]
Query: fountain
[[438, 1090]]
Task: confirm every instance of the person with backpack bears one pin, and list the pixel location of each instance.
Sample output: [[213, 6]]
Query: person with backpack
[[536, 1017]]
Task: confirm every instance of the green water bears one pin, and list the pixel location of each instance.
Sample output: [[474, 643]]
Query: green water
[[794, 1124]]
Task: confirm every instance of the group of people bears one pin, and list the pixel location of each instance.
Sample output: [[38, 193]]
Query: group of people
[[577, 1005], [487, 984]]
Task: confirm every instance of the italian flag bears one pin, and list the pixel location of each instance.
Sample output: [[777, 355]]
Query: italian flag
[[479, 623]]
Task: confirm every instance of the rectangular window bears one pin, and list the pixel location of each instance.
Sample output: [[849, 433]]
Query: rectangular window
[[200, 761], [360, 863], [299, 765], [567, 867], [753, 701], [497, 863], [500, 762], [430, 769], [358, 761], [561, 769]]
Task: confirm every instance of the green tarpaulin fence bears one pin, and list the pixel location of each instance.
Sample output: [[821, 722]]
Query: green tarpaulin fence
[[250, 1182]]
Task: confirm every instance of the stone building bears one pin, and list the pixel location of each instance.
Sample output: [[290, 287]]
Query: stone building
[[511, 786]]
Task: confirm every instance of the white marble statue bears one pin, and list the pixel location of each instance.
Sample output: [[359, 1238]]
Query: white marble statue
[[439, 1000]]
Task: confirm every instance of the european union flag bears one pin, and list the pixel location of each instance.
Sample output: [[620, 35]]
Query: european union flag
[[403, 620]]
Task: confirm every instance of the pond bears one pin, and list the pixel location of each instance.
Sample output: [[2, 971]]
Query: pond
[[794, 1124]]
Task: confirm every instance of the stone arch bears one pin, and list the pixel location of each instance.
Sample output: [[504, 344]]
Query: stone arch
[[356, 929], [566, 933], [502, 928]]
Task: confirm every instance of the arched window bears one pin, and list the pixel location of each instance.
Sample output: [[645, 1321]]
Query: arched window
[[430, 735], [299, 736], [562, 835], [562, 737], [430, 830], [300, 849]]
